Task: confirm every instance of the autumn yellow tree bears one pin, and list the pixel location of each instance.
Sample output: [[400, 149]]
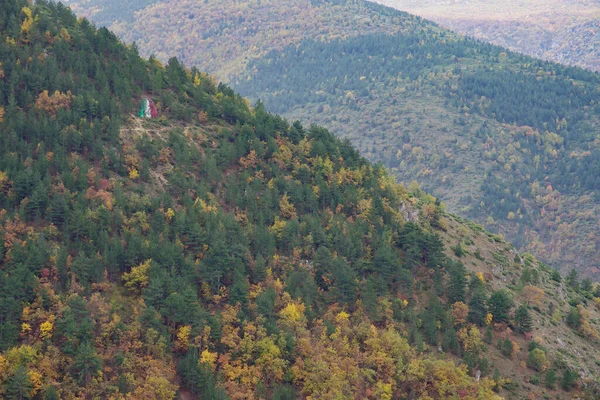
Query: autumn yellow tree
[[460, 311], [470, 339], [209, 358], [286, 208], [137, 279], [27, 22], [154, 388], [182, 343], [46, 329]]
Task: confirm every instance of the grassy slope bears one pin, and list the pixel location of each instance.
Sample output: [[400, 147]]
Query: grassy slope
[[505, 265]]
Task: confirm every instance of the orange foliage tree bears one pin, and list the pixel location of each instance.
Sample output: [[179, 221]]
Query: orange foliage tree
[[51, 104]]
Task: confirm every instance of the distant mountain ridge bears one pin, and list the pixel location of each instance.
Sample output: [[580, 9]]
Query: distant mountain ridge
[[222, 36], [562, 31]]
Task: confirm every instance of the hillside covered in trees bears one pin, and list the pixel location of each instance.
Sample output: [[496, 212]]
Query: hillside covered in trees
[[564, 31], [220, 252], [507, 140]]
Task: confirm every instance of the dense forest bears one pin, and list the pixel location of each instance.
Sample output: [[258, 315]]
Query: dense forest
[[480, 92], [219, 251], [505, 139], [562, 104]]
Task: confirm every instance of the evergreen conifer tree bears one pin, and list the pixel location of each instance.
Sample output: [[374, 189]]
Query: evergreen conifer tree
[[18, 385], [457, 284], [499, 304], [573, 279], [478, 307], [523, 320]]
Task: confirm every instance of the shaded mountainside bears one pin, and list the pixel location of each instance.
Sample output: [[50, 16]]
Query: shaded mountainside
[[563, 31], [222, 36], [218, 251], [505, 139], [575, 44]]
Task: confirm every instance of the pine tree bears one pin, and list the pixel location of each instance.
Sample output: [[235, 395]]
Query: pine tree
[[433, 249], [505, 346], [18, 385], [457, 284], [345, 282], [51, 394], [430, 320], [369, 299], [573, 279], [385, 262], [586, 285], [259, 272], [499, 304], [301, 285], [217, 263], [438, 281], [86, 364], [477, 307], [488, 335], [475, 284], [450, 342], [569, 379], [323, 264], [239, 288], [550, 379], [284, 392], [265, 303], [574, 318], [526, 276], [523, 320]]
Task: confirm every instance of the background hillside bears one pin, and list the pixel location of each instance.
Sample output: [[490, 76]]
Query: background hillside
[[222, 36], [508, 140], [219, 251], [563, 31]]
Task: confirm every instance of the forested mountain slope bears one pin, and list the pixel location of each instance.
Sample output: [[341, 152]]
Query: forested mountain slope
[[508, 140], [499, 137], [218, 251], [565, 31]]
